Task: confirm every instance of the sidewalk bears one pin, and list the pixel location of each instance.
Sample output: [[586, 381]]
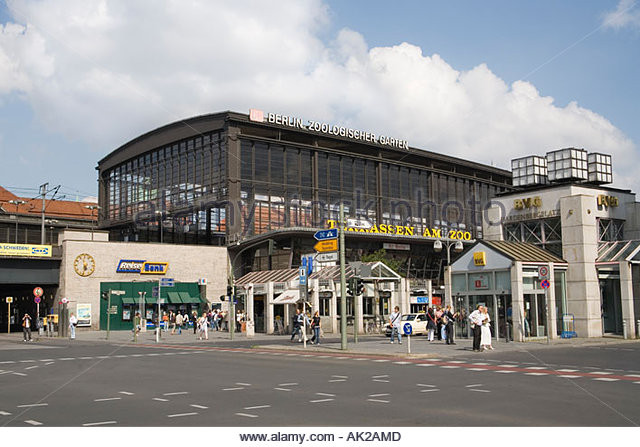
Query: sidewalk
[[367, 345]]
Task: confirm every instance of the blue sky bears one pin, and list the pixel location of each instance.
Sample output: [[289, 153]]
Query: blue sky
[[487, 80]]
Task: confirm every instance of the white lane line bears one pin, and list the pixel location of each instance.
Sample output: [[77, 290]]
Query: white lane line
[[320, 400], [567, 370], [379, 395], [155, 353], [505, 371], [326, 394], [632, 375], [424, 384], [424, 364], [93, 424], [243, 384], [291, 355], [120, 356], [381, 360], [536, 374], [19, 374], [85, 358], [607, 379], [107, 399], [247, 415], [32, 422], [126, 393], [45, 360], [435, 360], [232, 389], [31, 367], [341, 358], [636, 382], [8, 361], [506, 366], [337, 380], [180, 415], [27, 361], [380, 377], [5, 413], [473, 386], [102, 357], [378, 400], [430, 390], [479, 363], [479, 391], [67, 358], [595, 372], [476, 369], [536, 367], [359, 358], [307, 355], [50, 363], [282, 389], [288, 384], [457, 361], [339, 377], [257, 407], [449, 366], [381, 380], [401, 363], [5, 372], [323, 357], [177, 393], [137, 355], [159, 399], [32, 405], [201, 407], [568, 376]]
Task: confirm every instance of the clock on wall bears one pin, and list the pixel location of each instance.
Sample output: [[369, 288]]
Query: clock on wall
[[84, 264]]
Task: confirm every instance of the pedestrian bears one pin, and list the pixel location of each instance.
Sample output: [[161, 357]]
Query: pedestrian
[[395, 322], [438, 313], [165, 321], [185, 320], [73, 322], [202, 327], [485, 331], [194, 318], [26, 327], [178, 325], [450, 317], [431, 324], [172, 321], [315, 327], [297, 325], [136, 325], [475, 318]]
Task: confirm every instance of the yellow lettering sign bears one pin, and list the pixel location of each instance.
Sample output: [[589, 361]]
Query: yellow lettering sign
[[529, 202], [480, 258]]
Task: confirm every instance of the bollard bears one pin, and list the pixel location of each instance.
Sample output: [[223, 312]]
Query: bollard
[[638, 329], [506, 335], [625, 334]]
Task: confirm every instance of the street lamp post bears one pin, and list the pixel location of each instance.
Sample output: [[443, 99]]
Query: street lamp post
[[51, 223], [17, 203], [92, 208], [457, 248]]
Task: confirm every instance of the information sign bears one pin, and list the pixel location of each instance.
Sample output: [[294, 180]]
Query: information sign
[[323, 235], [407, 328]]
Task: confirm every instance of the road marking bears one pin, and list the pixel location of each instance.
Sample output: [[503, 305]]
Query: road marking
[[31, 367], [423, 384], [180, 415], [480, 363], [282, 389], [19, 374], [50, 363], [449, 366], [92, 424], [339, 377], [636, 382], [85, 358], [379, 395], [46, 360], [567, 370], [424, 364], [102, 357], [32, 405], [8, 361], [505, 371], [137, 355], [325, 394], [288, 384], [601, 372], [380, 377], [127, 393], [4, 413], [536, 367], [32, 422], [341, 358], [456, 361], [337, 380], [320, 400], [202, 407], [536, 374], [606, 379], [257, 407], [232, 389], [107, 399], [381, 380], [632, 375], [402, 363], [120, 356], [155, 353], [5, 372], [473, 386], [359, 358], [477, 369], [243, 384], [177, 393], [568, 376], [503, 366], [479, 391], [159, 399], [67, 358], [430, 390], [27, 361], [381, 360], [378, 400], [247, 415]]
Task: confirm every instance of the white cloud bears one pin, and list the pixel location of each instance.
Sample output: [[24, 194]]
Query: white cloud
[[104, 72], [627, 14]]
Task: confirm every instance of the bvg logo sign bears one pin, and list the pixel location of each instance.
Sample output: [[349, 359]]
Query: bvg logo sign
[[529, 202], [142, 267]]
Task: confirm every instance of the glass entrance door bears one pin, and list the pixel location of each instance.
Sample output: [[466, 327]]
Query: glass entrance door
[[504, 317], [535, 319], [611, 306]]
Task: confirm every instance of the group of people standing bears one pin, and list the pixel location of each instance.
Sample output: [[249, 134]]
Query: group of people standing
[[481, 326], [214, 319], [300, 321]]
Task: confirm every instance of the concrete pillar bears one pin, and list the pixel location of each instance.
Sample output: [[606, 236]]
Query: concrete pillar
[[403, 293], [517, 302], [552, 315], [580, 250], [448, 299], [248, 312], [268, 309], [334, 308], [492, 224], [626, 297], [357, 313]]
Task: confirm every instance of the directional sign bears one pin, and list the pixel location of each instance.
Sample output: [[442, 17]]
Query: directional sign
[[323, 235], [167, 282], [327, 257], [407, 328], [37, 299], [328, 245], [543, 272], [545, 284], [38, 291]]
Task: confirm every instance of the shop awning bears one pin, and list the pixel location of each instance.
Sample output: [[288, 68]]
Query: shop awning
[[174, 298], [150, 300], [188, 299], [291, 296], [128, 301]]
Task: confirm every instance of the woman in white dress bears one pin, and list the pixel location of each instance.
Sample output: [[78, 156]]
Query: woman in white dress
[[485, 330]]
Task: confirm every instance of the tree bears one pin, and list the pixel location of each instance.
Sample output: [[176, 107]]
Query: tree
[[381, 256]]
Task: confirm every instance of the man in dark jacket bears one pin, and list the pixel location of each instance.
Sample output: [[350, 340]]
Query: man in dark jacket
[[449, 316]]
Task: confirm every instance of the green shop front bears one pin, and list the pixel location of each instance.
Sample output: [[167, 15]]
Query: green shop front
[[522, 285], [126, 298]]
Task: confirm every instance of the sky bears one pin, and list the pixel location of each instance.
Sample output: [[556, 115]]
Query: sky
[[483, 80]]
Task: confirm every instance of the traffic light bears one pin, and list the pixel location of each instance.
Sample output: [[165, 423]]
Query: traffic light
[[359, 288], [229, 290], [350, 287]]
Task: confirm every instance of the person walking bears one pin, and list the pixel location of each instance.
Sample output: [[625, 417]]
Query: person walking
[[202, 327], [73, 322], [194, 318], [450, 317], [297, 326], [438, 313], [315, 327], [26, 327], [475, 318], [485, 331], [172, 321], [395, 322], [165, 322], [178, 325], [431, 324]]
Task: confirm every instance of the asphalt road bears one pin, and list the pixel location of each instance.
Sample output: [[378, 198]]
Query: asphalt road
[[99, 384]]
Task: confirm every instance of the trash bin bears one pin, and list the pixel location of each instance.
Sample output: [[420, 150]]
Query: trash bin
[[249, 328]]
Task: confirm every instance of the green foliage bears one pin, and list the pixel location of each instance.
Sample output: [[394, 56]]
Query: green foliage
[[381, 256]]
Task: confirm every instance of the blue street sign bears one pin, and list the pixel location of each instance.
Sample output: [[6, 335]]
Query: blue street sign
[[310, 265], [167, 282], [407, 328], [154, 292], [302, 274], [323, 235], [422, 300]]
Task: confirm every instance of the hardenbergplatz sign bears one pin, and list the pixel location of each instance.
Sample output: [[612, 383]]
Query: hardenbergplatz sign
[[324, 128]]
